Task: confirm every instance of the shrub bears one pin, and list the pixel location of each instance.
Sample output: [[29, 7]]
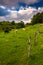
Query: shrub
[[6, 30]]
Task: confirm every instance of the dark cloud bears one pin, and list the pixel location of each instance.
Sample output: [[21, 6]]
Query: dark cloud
[[29, 1], [10, 3]]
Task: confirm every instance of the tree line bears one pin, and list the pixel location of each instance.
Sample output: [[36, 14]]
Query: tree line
[[7, 26]]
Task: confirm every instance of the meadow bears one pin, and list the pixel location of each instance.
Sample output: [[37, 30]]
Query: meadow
[[14, 46]]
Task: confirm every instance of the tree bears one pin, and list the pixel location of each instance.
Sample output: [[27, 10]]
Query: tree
[[13, 24], [20, 25], [38, 18]]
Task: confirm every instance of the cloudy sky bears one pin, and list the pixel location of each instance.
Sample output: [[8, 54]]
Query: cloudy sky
[[18, 10]]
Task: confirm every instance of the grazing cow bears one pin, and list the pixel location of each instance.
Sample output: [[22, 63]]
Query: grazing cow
[[24, 29], [16, 31]]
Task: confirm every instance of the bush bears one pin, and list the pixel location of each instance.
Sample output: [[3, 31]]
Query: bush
[[6, 30]]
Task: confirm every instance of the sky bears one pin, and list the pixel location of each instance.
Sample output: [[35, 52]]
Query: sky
[[19, 10]]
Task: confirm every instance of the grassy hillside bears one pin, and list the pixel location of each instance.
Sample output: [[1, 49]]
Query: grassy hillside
[[14, 47]]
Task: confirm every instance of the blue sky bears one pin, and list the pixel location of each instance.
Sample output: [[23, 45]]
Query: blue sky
[[19, 9]]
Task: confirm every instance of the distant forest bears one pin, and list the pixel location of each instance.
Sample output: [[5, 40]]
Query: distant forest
[[7, 26]]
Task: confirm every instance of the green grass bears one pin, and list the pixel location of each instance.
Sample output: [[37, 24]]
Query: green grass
[[14, 47]]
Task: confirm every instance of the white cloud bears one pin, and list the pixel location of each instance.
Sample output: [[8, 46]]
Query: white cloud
[[40, 9], [13, 14], [24, 15], [13, 8], [2, 18], [3, 7], [28, 11]]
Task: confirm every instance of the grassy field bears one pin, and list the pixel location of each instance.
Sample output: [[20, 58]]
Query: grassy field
[[14, 47]]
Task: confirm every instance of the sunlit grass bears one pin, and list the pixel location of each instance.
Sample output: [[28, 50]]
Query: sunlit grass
[[14, 47]]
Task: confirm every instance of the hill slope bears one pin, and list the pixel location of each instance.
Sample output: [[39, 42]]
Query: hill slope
[[14, 47]]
